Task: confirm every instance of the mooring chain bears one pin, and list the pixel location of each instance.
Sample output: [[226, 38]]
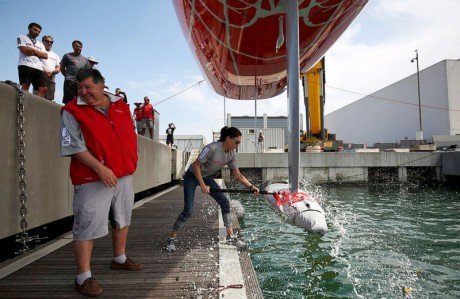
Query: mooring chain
[[22, 170]]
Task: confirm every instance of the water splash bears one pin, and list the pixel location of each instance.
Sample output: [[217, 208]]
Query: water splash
[[380, 239]]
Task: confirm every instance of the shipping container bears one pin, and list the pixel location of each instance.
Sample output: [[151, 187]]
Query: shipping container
[[273, 140]]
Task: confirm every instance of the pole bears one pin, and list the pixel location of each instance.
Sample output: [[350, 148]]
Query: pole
[[418, 87], [322, 80], [305, 100], [255, 118], [225, 114], [241, 191], [293, 92]]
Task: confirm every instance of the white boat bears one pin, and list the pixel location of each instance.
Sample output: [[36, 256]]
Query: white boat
[[299, 209]]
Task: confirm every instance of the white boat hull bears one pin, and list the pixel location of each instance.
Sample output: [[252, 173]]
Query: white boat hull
[[304, 212]]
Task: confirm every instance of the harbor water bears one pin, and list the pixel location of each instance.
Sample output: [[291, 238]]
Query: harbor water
[[380, 239]]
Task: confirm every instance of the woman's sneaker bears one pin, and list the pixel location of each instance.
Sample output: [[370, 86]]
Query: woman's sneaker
[[170, 246], [235, 241]]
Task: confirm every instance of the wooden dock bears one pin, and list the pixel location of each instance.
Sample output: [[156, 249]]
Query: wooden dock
[[190, 272]]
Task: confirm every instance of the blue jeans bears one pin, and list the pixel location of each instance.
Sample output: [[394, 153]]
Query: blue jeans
[[190, 184]]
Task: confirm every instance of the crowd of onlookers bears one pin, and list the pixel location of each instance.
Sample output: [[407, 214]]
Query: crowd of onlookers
[[38, 66], [97, 135], [144, 116]]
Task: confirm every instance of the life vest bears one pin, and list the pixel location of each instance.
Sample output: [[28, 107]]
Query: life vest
[[138, 113], [147, 111], [109, 138]]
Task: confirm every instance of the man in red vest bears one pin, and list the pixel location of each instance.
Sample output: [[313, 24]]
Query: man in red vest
[[96, 132], [148, 117], [138, 115]]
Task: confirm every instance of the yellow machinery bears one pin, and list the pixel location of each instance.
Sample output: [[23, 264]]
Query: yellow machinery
[[314, 97]]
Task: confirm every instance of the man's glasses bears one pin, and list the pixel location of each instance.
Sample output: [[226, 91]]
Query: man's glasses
[[49, 41]]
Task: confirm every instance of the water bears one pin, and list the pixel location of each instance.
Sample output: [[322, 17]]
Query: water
[[380, 239]]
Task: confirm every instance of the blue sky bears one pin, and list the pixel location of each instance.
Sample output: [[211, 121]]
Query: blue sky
[[141, 49]]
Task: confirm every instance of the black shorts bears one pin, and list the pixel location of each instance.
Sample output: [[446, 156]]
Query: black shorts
[[51, 88], [70, 91], [32, 76], [169, 140]]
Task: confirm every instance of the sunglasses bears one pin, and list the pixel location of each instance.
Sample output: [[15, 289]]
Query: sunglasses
[[48, 41], [236, 141]]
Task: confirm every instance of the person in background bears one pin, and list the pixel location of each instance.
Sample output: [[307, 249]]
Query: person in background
[[260, 141], [92, 61], [51, 67], [138, 117], [148, 116], [96, 132], [122, 94], [30, 66], [212, 158], [170, 134], [71, 63]]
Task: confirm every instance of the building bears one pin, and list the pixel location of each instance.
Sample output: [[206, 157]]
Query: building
[[273, 128], [392, 113], [279, 122]]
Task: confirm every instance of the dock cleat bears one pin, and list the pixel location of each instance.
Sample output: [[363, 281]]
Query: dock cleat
[[170, 245]]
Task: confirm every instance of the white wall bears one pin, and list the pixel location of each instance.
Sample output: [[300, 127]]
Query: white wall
[[392, 113], [453, 89]]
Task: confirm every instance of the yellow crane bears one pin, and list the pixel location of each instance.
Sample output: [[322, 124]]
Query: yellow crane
[[314, 96]]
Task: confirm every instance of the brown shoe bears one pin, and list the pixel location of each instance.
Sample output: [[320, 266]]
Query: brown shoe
[[89, 288], [128, 265]]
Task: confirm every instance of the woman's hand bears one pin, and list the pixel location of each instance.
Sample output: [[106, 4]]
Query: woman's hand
[[255, 190], [205, 189]]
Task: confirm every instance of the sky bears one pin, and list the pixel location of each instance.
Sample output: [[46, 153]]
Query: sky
[[142, 50]]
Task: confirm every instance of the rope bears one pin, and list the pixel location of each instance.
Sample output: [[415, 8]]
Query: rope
[[230, 286], [197, 83]]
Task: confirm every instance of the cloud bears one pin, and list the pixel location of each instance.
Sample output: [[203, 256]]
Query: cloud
[[376, 50]]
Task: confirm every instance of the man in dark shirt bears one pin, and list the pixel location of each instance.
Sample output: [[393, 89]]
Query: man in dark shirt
[[170, 134], [71, 63]]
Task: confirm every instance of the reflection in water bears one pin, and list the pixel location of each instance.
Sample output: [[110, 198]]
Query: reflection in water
[[380, 239]]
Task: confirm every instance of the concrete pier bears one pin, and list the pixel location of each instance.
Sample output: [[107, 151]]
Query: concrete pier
[[354, 166]]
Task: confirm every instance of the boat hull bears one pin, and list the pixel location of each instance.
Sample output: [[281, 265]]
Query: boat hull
[[235, 42]]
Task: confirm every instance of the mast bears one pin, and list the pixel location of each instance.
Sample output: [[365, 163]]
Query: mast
[[292, 45]]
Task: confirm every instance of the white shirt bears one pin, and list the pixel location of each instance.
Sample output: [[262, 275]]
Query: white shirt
[[30, 61], [51, 63]]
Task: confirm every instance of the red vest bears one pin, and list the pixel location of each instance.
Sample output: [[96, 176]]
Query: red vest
[[147, 111], [109, 138], [138, 113]]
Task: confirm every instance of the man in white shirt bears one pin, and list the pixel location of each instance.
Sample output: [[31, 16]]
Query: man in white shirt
[[51, 67], [30, 67]]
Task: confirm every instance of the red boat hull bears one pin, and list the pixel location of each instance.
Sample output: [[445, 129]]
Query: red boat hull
[[235, 40]]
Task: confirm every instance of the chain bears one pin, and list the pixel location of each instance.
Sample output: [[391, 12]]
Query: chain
[[22, 170]]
